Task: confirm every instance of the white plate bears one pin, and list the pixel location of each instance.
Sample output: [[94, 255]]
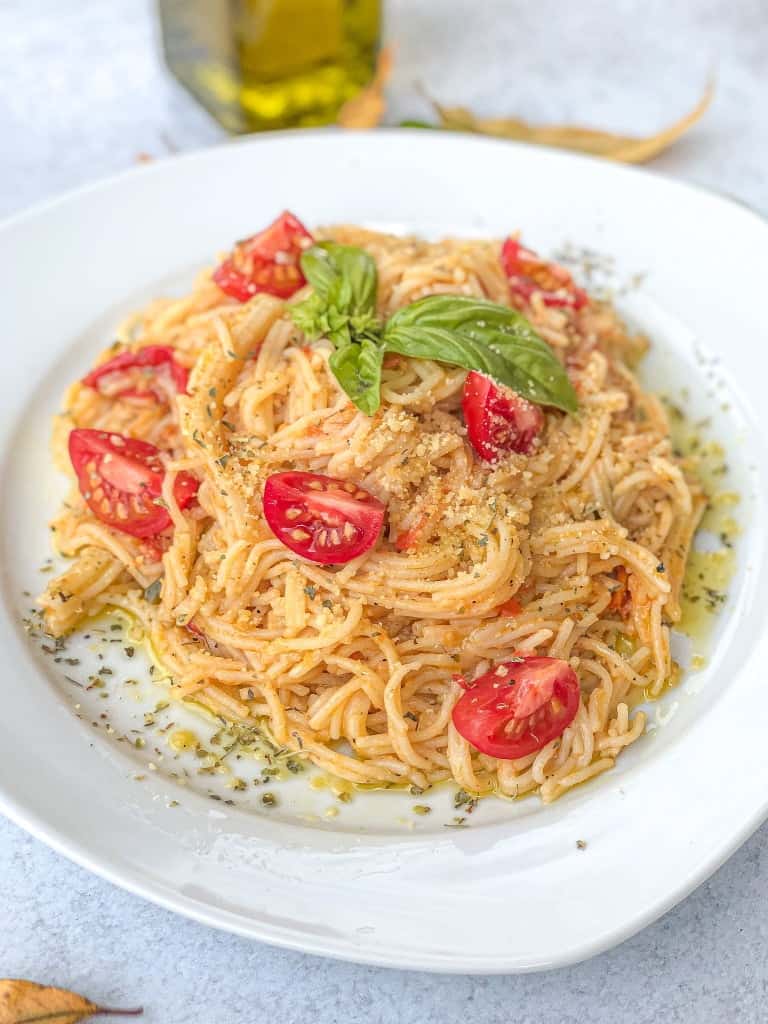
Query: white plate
[[511, 892]]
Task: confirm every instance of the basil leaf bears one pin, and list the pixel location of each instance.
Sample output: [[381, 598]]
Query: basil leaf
[[483, 336], [318, 320], [319, 269], [343, 304], [311, 316], [343, 276], [357, 367]]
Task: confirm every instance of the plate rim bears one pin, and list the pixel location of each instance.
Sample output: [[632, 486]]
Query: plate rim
[[189, 155], [345, 952]]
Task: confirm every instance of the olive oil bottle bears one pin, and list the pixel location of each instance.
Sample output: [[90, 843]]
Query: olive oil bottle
[[262, 64]]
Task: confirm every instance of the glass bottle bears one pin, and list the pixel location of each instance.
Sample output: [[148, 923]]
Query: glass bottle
[[262, 64]]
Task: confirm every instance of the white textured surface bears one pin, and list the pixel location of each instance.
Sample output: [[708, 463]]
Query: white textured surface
[[81, 93]]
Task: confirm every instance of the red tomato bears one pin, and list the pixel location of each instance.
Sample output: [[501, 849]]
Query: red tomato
[[518, 707], [498, 419], [198, 634], [151, 373], [153, 549], [121, 478], [621, 598], [410, 538], [321, 518], [267, 262], [528, 273]]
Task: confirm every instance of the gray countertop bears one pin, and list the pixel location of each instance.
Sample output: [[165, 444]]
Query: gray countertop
[[82, 93]]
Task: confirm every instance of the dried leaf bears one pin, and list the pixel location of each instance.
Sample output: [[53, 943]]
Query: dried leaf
[[25, 1002], [624, 148], [367, 108]]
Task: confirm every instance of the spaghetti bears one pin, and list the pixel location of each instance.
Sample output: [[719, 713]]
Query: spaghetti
[[573, 550]]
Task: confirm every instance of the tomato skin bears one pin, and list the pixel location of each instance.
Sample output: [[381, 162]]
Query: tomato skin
[[120, 478], [152, 550], [411, 537], [266, 262], [518, 707], [528, 273], [198, 633], [621, 598], [322, 518], [498, 419], [157, 356]]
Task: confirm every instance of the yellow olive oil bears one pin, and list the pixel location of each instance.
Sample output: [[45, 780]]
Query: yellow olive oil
[[265, 64], [183, 739]]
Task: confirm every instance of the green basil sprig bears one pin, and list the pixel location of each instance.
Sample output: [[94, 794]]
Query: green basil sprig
[[357, 367], [343, 304], [483, 336], [459, 330]]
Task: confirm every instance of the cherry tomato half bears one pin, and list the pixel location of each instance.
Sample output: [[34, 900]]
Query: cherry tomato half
[[121, 478], [151, 373], [518, 707], [321, 518], [498, 419], [528, 273], [267, 262]]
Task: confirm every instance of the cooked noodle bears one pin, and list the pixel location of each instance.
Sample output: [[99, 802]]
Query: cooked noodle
[[354, 666]]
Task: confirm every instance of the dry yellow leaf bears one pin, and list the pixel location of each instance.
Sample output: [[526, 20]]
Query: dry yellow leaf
[[367, 108], [627, 149], [25, 1002]]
